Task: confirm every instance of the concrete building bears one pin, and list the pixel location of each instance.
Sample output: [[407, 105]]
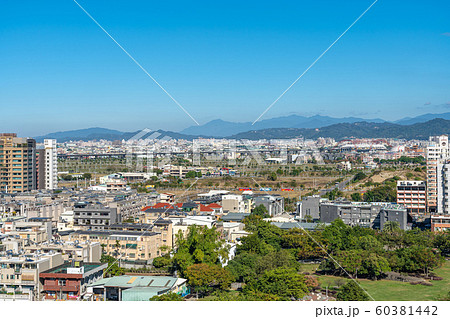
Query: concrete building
[[128, 245], [40, 167], [273, 203], [309, 207], [442, 185], [440, 222], [94, 217], [69, 280], [394, 213], [20, 274], [412, 195], [234, 203], [370, 215], [32, 230], [437, 152], [88, 252], [51, 164], [17, 163]]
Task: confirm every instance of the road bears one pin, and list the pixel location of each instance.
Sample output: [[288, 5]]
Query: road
[[340, 186]]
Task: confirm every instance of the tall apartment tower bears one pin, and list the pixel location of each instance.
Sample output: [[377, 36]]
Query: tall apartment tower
[[17, 163], [437, 152], [51, 164], [443, 179]]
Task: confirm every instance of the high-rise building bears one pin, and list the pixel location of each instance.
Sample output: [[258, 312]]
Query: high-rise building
[[437, 152], [47, 165], [40, 167], [443, 179], [17, 163], [51, 164]]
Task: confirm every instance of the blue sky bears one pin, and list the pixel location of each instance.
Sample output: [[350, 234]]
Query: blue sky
[[219, 59]]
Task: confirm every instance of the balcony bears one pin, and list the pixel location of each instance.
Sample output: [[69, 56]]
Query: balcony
[[74, 288]]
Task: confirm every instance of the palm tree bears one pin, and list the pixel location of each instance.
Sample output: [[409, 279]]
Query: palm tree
[[391, 227]]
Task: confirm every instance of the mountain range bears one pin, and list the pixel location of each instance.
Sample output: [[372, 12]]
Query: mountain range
[[419, 131], [419, 127], [220, 128]]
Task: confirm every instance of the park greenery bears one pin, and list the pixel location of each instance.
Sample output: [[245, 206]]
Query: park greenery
[[268, 262]]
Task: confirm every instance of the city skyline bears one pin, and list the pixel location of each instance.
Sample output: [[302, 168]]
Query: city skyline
[[218, 62]]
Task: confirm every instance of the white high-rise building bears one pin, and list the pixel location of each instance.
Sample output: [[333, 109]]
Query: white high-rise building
[[51, 164], [443, 179], [437, 153]]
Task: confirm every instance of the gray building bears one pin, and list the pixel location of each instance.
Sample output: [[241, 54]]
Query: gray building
[[273, 203], [395, 213], [352, 214], [94, 217], [309, 206], [370, 215]]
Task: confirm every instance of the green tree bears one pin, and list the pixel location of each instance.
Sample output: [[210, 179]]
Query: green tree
[[201, 245], [351, 291], [283, 282], [191, 174], [356, 197], [391, 227], [203, 278], [358, 177], [170, 296], [260, 210]]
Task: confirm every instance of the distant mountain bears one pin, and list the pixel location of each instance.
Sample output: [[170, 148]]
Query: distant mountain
[[93, 133], [98, 133], [341, 131], [220, 128], [423, 118]]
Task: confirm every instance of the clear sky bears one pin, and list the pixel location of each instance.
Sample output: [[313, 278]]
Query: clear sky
[[219, 59]]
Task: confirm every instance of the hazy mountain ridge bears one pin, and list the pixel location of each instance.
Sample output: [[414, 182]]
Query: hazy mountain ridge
[[315, 127], [221, 128], [420, 131]]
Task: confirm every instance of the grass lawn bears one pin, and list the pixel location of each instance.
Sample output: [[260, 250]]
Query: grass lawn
[[387, 290]]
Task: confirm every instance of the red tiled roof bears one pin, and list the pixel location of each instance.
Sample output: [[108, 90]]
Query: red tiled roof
[[214, 205], [204, 208]]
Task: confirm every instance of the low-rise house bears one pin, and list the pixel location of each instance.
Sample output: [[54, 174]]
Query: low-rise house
[[136, 288], [70, 280]]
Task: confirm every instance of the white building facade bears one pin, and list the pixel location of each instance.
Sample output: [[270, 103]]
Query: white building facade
[[51, 165]]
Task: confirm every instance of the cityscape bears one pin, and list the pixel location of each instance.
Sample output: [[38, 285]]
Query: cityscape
[[206, 154], [213, 219]]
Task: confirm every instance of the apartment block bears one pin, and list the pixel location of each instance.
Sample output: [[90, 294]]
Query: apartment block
[[412, 195], [94, 217], [51, 165], [437, 152], [17, 163], [129, 245], [440, 222], [19, 274], [88, 252]]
